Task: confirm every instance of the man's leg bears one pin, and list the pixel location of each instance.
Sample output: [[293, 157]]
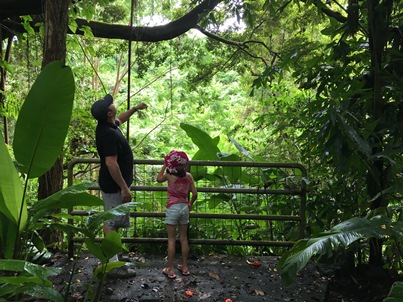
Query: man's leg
[[111, 200], [107, 230]]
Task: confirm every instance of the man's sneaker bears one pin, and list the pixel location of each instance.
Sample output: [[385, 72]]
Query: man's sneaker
[[122, 272], [124, 258]]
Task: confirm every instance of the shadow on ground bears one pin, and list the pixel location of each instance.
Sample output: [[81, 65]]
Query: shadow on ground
[[213, 278]]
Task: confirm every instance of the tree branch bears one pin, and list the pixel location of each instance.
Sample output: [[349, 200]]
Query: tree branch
[[327, 11], [243, 46], [136, 33], [151, 34]]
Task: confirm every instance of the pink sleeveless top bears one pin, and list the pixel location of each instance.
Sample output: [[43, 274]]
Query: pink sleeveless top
[[178, 191]]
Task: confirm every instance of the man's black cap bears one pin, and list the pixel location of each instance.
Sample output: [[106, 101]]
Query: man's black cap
[[99, 109]]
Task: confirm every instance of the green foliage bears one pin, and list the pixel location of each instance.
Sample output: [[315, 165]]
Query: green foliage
[[208, 149], [19, 229], [23, 277], [236, 177], [16, 225], [340, 236], [37, 144], [97, 219], [27, 142], [313, 100], [348, 136], [110, 246], [395, 293], [11, 191]]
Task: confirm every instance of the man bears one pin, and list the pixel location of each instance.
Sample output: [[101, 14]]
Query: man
[[116, 172]]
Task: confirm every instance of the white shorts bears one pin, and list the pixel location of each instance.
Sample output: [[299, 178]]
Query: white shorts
[[177, 213]]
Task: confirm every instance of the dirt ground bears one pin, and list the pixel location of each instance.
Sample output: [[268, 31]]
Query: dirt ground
[[213, 278]]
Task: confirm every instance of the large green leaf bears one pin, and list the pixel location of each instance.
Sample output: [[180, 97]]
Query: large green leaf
[[67, 198], [96, 250], [44, 120], [208, 149], [110, 246], [359, 143], [34, 290], [11, 189], [341, 235], [30, 278], [232, 173], [96, 220], [38, 271], [395, 293], [8, 231], [12, 209], [66, 228], [104, 268]]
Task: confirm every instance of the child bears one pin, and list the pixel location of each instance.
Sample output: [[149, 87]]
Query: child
[[180, 183]]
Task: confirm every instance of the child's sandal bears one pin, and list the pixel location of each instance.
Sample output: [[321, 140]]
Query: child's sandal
[[185, 273], [166, 273]]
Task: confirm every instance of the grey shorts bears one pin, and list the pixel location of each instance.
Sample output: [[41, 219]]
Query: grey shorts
[[112, 200], [177, 214]]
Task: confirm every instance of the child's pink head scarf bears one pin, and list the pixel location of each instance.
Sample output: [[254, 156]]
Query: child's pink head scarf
[[176, 161]]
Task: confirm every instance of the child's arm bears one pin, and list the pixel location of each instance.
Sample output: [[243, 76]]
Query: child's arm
[[161, 177], [194, 191]]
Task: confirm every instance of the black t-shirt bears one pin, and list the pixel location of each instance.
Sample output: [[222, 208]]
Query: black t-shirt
[[111, 141]]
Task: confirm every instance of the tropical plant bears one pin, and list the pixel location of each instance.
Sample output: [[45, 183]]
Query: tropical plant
[[110, 246], [208, 148], [395, 293], [36, 146], [352, 123], [339, 237]]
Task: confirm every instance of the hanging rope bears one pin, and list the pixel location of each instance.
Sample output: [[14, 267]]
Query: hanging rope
[[92, 65], [170, 68], [169, 105], [170, 77], [129, 60]]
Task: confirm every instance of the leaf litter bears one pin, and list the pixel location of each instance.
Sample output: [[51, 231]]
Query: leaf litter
[[213, 278]]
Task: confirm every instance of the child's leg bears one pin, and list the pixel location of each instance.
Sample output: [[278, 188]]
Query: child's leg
[[171, 231], [184, 245]]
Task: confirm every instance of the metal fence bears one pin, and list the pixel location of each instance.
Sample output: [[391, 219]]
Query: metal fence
[[239, 203]]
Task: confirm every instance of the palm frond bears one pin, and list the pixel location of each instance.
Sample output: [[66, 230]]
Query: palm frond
[[341, 235]]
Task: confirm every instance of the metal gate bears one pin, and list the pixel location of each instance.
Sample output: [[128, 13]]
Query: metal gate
[[239, 203]]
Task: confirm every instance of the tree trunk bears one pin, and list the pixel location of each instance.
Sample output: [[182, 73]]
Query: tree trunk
[[56, 23], [3, 75], [377, 177]]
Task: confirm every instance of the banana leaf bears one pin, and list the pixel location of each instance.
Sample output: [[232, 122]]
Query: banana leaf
[[13, 211], [65, 199], [208, 149], [44, 119], [95, 221]]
